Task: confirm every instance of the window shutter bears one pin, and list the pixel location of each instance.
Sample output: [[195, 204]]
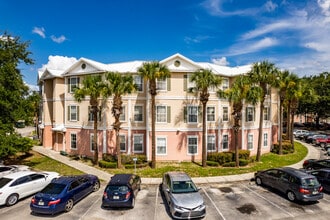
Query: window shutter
[[168, 84], [77, 113], [69, 85], [185, 82], [185, 114], [100, 113], [89, 113], [69, 112], [168, 114]]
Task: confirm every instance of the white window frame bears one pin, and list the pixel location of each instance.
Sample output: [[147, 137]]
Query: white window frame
[[250, 142], [74, 85], [73, 136], [122, 117], [210, 114], [157, 145], [71, 113], [225, 142], [190, 84], [138, 80], [225, 113], [189, 146], [211, 141], [250, 111], [265, 139], [266, 113], [135, 136], [142, 109], [91, 142], [189, 107], [161, 84], [161, 115], [120, 142]]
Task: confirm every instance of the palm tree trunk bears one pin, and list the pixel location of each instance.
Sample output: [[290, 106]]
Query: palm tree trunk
[[153, 133], [261, 122], [119, 165], [204, 149], [96, 149], [280, 151]]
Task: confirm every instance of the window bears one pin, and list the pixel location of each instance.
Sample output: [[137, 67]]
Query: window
[[225, 113], [225, 143], [250, 111], [122, 143], [266, 113], [138, 143], [138, 113], [92, 143], [161, 146], [123, 114], [210, 113], [73, 83], [73, 113], [161, 114], [190, 84], [192, 114], [139, 83], [73, 140], [210, 143], [192, 145], [161, 84], [250, 142], [265, 139], [225, 84], [91, 115]]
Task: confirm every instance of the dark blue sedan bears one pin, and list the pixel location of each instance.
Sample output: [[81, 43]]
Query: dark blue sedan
[[62, 193]]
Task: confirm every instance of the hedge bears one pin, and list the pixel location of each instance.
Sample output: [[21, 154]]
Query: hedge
[[287, 148], [227, 157]]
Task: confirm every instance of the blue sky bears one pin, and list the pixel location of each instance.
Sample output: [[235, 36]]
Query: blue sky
[[292, 34]]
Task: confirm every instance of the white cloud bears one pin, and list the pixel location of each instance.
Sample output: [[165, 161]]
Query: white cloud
[[325, 6], [252, 46], [197, 39], [40, 31], [270, 6], [59, 40], [58, 63], [220, 61]]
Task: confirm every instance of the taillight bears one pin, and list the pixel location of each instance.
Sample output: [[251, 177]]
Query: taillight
[[303, 191], [128, 194], [305, 162], [105, 195], [321, 189], [54, 202], [33, 200]]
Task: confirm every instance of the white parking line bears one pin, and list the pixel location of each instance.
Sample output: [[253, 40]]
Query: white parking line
[[216, 208], [155, 215], [257, 194], [82, 217]]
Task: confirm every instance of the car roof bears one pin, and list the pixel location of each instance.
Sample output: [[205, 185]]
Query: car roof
[[66, 179], [118, 179], [19, 174], [178, 176], [296, 172]]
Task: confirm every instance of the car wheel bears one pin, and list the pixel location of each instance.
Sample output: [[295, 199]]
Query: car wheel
[[133, 202], [322, 145], [258, 181], [96, 186], [12, 199], [291, 196], [68, 205]]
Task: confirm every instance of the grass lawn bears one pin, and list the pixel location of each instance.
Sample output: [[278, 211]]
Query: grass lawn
[[39, 162]]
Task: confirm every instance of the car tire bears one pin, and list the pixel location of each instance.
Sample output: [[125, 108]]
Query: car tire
[[96, 186], [68, 205], [322, 145], [12, 199], [258, 181], [291, 196]]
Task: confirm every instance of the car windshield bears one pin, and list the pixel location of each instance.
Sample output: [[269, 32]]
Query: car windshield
[[183, 187], [119, 188], [4, 181], [309, 182], [53, 188]]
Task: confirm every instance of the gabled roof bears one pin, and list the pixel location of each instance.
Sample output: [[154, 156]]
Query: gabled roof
[[49, 73], [93, 67], [225, 70], [126, 67]]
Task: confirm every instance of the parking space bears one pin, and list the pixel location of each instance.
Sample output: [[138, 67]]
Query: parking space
[[239, 200]]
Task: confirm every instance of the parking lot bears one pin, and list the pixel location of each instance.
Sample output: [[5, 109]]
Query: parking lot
[[240, 200]]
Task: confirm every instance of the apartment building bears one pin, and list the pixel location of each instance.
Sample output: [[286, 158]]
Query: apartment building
[[67, 125]]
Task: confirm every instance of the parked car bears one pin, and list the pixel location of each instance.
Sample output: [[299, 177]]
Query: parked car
[[323, 141], [182, 196], [313, 164], [323, 176], [15, 186], [306, 135], [299, 132], [7, 169], [121, 191], [294, 183], [310, 139], [62, 193]]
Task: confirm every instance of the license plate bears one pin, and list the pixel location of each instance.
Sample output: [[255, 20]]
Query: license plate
[[115, 197], [41, 203], [315, 192]]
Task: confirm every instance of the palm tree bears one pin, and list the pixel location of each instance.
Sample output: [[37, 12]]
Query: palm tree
[[151, 71], [240, 91], [92, 86], [204, 79], [118, 85], [263, 74]]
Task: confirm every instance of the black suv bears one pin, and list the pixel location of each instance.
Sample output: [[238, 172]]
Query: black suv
[[295, 184], [121, 191]]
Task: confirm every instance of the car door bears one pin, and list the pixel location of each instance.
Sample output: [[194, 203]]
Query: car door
[[166, 185], [22, 186], [38, 181], [85, 185], [75, 191], [271, 178], [283, 181]]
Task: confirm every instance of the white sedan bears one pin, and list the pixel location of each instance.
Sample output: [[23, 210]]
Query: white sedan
[[21, 184], [7, 169]]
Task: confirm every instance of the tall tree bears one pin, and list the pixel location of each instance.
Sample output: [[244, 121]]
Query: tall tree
[[263, 74], [13, 91], [204, 80], [151, 72], [118, 85], [241, 91], [94, 87]]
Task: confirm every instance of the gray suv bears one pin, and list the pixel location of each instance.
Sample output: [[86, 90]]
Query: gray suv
[[296, 184], [182, 196]]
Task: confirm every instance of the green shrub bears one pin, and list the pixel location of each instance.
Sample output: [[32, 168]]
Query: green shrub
[[243, 162], [244, 154], [287, 148], [229, 164], [212, 163], [109, 157], [107, 164]]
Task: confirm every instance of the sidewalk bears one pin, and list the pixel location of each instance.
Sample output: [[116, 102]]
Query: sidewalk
[[313, 153]]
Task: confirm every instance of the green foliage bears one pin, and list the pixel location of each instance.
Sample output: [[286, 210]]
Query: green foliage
[[11, 144], [212, 163], [228, 157], [108, 164], [287, 148]]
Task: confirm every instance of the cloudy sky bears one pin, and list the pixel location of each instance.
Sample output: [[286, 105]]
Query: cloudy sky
[[292, 34]]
